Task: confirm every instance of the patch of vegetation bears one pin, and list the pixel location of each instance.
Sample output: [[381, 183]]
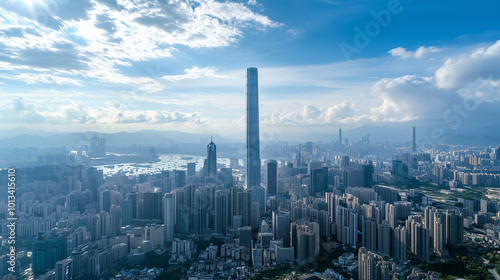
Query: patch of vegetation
[[172, 274], [493, 256], [471, 193], [463, 267], [276, 273]]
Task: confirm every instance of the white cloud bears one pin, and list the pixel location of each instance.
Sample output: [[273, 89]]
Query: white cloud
[[295, 33], [312, 115], [33, 78], [419, 53], [410, 97], [100, 39], [482, 63], [252, 2], [67, 112], [194, 73]]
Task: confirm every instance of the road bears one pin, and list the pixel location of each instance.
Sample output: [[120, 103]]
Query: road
[[494, 273], [491, 270]]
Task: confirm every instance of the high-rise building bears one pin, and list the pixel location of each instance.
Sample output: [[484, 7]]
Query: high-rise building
[[369, 237], [105, 200], [371, 266], [437, 237], [253, 146], [272, 178], [413, 141], [367, 171], [179, 178], [211, 159], [257, 257], [191, 169], [126, 207], [245, 236], [169, 216], [226, 177], [64, 269], [347, 225], [281, 226], [244, 207], [344, 161], [149, 206], [319, 181], [221, 211], [115, 224], [419, 236], [454, 228], [47, 251], [400, 244], [201, 209], [306, 240], [259, 196], [384, 238], [390, 214], [399, 170], [255, 215], [94, 179], [340, 136]]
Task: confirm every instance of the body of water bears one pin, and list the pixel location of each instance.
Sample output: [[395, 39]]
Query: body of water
[[166, 162]]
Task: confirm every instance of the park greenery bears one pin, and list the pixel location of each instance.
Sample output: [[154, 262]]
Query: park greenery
[[463, 267], [275, 273]]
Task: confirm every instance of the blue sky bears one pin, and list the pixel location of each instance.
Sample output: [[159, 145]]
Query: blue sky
[[115, 65]]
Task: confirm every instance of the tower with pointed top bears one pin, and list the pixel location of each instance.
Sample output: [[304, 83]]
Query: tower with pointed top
[[253, 146], [211, 158]]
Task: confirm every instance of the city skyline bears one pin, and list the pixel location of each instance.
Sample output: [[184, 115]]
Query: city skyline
[[371, 147], [76, 68]]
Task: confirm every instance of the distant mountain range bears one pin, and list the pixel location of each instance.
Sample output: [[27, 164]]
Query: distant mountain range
[[472, 134], [23, 137]]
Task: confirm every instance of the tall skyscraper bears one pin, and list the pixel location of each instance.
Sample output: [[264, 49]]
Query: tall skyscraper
[[413, 141], [211, 159], [340, 136], [253, 145]]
